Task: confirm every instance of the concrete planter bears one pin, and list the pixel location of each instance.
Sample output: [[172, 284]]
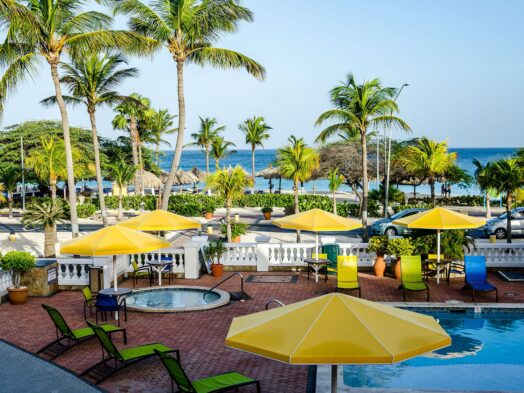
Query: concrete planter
[[18, 295]]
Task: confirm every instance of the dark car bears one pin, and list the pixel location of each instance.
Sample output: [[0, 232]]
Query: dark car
[[385, 226]]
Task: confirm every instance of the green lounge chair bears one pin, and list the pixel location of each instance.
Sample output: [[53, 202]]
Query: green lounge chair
[[71, 337], [118, 359], [218, 383], [347, 273], [411, 275], [89, 301], [141, 272]]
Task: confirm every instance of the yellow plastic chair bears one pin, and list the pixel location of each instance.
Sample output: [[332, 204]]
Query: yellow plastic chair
[[347, 273]]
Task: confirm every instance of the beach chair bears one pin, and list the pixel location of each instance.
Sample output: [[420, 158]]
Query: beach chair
[[411, 275], [476, 276], [107, 303], [89, 301], [347, 273], [141, 272], [217, 383], [118, 359], [67, 338]]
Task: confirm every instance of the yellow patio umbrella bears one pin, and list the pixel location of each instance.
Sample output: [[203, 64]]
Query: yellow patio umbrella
[[336, 329], [113, 240], [160, 220], [440, 218]]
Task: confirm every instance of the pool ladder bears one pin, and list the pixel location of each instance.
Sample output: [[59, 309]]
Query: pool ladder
[[234, 295]]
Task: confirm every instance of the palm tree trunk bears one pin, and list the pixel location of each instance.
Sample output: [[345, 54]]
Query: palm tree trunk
[[228, 221], [217, 166], [98, 169], [133, 136], [180, 137], [140, 179], [508, 217], [49, 240], [432, 187], [364, 186], [297, 208], [52, 186], [68, 150], [10, 203], [334, 202], [120, 212], [207, 160], [253, 165], [488, 206]]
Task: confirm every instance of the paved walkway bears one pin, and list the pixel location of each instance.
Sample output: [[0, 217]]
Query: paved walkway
[[22, 372]]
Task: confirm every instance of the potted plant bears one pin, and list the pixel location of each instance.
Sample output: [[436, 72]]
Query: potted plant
[[209, 208], [399, 246], [267, 212], [237, 229], [18, 262], [379, 245], [214, 251]]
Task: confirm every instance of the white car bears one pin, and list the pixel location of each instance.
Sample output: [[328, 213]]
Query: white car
[[498, 226]]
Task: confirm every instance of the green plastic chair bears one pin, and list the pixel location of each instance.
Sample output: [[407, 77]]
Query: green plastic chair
[[347, 273], [140, 272], [121, 358], [72, 337], [411, 275], [218, 383], [89, 301]]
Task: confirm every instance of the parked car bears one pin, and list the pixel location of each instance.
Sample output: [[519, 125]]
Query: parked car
[[497, 226], [385, 226]]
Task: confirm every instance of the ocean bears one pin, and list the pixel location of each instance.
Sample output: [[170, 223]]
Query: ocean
[[192, 158]]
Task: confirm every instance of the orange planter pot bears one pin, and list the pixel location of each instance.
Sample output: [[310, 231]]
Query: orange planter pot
[[380, 266], [267, 215], [18, 295], [217, 269], [209, 215], [397, 270], [236, 239]]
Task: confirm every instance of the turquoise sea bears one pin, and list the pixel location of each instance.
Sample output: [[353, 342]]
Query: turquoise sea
[[263, 158]]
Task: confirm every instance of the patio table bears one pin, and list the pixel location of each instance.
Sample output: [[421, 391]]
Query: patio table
[[316, 265], [439, 264], [159, 267]]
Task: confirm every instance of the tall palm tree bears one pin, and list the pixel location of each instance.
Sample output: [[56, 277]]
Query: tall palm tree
[[361, 109], [121, 173], [188, 29], [483, 178], [205, 136], [507, 176], [256, 131], [229, 184], [428, 160], [9, 176], [47, 213], [160, 123], [297, 161], [90, 80], [49, 29], [220, 149], [335, 179]]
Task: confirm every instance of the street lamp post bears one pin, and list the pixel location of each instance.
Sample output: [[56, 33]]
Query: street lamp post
[[388, 153]]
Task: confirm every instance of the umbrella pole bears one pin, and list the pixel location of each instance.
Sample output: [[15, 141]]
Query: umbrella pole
[[438, 256], [334, 377], [115, 275]]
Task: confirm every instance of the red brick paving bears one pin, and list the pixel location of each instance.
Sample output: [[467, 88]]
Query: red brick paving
[[200, 335]]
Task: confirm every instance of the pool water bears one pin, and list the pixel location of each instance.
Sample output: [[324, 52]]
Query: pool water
[[487, 353]]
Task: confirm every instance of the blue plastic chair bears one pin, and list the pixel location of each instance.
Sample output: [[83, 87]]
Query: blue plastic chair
[[105, 303], [476, 276]]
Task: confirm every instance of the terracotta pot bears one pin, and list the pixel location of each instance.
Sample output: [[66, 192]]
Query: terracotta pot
[[380, 266], [18, 295], [396, 270], [216, 269], [209, 215], [267, 215], [236, 239]]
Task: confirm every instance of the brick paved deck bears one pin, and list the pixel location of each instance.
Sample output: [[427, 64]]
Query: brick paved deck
[[200, 335]]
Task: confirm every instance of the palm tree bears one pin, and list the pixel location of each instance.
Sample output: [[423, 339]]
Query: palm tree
[[361, 109], [483, 178], [46, 213], [507, 177], [206, 135], [220, 150], [121, 174], [229, 184], [9, 176], [256, 131], [297, 161], [335, 181], [160, 123], [48, 29], [188, 29], [428, 160], [90, 80]]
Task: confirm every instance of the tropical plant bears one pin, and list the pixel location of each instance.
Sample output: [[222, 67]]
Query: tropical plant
[[400, 246], [18, 262], [160, 123], [220, 149], [46, 213], [378, 245], [48, 29], [428, 160], [507, 177], [205, 136], [229, 184], [90, 80], [237, 229], [297, 161], [256, 131], [482, 176], [335, 181], [214, 250], [361, 109], [9, 176], [121, 174], [188, 29]]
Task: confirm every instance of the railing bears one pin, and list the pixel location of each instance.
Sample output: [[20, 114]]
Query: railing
[[242, 294], [6, 281], [174, 254], [271, 301], [500, 255], [240, 254], [74, 271]]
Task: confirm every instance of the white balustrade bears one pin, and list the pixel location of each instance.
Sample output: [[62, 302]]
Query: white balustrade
[[6, 281], [74, 271], [500, 255], [240, 254], [174, 254], [365, 258]]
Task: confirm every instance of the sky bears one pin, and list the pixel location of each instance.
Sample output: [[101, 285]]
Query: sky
[[464, 61]]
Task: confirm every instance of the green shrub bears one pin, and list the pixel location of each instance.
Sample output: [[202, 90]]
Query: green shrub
[[400, 208], [378, 244], [237, 229], [347, 209], [18, 262], [459, 200], [400, 246], [187, 209], [85, 210]]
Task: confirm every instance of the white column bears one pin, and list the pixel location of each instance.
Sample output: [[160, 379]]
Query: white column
[[192, 260], [262, 257]]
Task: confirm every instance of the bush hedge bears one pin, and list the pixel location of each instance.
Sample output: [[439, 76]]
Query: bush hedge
[[85, 210]]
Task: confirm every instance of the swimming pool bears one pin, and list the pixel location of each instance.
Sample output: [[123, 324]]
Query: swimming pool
[[487, 353]]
